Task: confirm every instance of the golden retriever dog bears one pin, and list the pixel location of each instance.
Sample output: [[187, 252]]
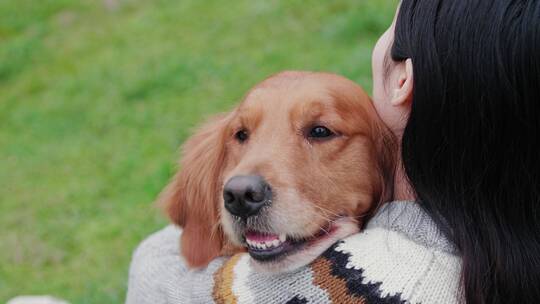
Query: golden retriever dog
[[295, 167]]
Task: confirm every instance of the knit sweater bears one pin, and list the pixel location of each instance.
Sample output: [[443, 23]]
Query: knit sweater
[[400, 257]]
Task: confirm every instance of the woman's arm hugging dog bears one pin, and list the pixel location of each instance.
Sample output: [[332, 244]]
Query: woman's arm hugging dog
[[296, 166]]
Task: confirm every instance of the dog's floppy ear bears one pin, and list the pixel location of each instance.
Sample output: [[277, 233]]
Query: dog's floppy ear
[[191, 199]]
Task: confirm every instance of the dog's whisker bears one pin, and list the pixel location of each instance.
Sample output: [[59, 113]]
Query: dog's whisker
[[325, 231], [327, 211], [361, 216], [335, 215]]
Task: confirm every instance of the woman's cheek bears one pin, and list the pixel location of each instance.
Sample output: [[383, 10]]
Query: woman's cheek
[[381, 98]]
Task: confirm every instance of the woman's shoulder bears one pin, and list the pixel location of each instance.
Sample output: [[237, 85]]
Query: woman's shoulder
[[402, 253], [396, 268]]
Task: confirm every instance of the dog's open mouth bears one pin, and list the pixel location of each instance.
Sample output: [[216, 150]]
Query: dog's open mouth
[[267, 247]]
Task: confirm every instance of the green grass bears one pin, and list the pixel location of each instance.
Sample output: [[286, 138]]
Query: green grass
[[95, 100]]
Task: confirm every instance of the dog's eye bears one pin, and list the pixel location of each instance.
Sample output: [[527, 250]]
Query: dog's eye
[[320, 132], [241, 136]]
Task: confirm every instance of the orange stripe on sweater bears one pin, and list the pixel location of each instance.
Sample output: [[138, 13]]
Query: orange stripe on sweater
[[223, 282]]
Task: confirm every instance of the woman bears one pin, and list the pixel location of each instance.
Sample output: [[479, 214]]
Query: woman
[[458, 82], [468, 144]]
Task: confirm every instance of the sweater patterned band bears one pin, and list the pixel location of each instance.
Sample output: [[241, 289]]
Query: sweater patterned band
[[330, 278]]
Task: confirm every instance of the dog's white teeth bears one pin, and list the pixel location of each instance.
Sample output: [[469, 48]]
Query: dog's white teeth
[[282, 237], [264, 245]]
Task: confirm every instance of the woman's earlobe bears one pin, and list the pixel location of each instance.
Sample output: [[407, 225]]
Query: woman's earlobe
[[403, 91]]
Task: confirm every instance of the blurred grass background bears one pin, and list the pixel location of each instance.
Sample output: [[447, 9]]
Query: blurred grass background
[[97, 95]]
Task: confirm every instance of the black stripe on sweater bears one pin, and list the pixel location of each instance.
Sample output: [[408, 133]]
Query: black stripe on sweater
[[355, 279], [297, 300]]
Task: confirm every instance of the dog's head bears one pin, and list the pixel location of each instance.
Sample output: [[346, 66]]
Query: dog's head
[[294, 168]]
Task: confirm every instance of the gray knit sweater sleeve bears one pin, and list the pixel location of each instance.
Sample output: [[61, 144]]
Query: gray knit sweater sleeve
[[156, 271], [399, 258]]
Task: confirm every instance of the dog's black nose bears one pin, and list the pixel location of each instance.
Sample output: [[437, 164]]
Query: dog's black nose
[[245, 195]]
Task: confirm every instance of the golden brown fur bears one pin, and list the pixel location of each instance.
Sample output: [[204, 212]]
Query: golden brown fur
[[315, 181]]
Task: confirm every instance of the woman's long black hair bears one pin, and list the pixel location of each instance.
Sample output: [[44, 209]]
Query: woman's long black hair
[[471, 145]]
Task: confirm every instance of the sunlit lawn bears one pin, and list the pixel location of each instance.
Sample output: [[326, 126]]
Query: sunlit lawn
[[96, 97]]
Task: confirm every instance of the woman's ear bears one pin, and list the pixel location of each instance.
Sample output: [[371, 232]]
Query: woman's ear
[[404, 83], [192, 197]]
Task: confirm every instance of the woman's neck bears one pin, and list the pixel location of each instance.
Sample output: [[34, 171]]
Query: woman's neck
[[403, 190]]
